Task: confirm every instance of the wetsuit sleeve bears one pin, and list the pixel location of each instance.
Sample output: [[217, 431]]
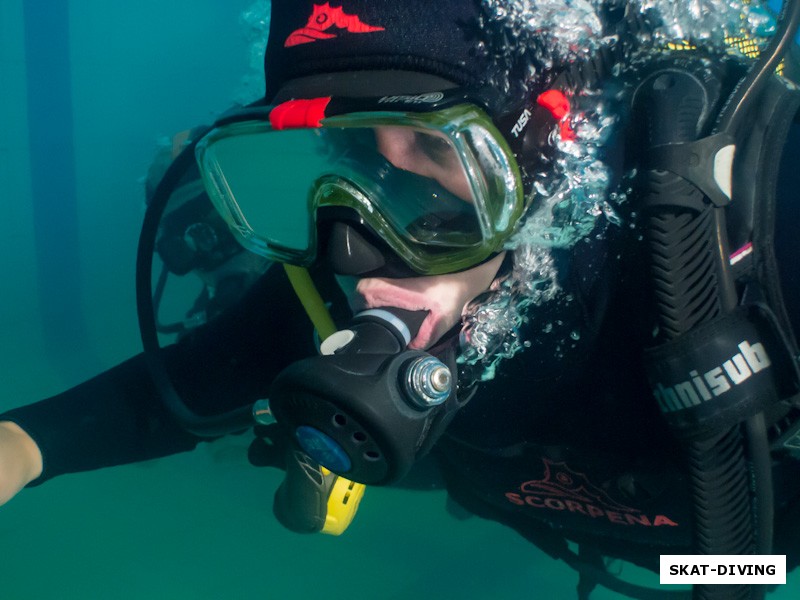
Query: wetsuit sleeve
[[118, 418], [112, 419]]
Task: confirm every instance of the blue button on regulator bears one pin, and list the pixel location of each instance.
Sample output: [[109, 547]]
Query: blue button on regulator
[[323, 449]]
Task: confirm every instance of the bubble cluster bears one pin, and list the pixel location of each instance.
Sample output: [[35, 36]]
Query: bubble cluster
[[526, 37], [706, 22], [255, 27], [567, 204], [570, 201]]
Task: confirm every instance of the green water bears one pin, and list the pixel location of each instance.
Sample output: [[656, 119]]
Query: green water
[[198, 525]]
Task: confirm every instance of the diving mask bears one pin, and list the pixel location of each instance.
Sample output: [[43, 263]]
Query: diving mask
[[431, 175]]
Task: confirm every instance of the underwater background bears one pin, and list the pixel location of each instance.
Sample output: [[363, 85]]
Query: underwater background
[[88, 90]]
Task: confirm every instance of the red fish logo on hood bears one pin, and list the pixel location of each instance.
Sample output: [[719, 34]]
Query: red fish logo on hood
[[323, 18]]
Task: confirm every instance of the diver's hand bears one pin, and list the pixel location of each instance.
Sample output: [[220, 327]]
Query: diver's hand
[[20, 460]]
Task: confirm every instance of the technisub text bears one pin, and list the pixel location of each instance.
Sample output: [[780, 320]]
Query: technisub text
[[700, 388]]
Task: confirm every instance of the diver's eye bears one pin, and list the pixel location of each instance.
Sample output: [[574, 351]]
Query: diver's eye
[[436, 148]]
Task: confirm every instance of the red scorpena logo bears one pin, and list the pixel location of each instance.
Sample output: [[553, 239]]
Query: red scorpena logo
[[323, 18], [562, 489]]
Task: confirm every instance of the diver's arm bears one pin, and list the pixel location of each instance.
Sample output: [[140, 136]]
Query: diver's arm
[[20, 460], [111, 419], [118, 417]]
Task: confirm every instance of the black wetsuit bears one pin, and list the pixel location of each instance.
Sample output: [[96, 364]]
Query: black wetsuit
[[574, 443]]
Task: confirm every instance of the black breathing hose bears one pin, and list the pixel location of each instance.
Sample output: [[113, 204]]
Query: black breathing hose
[[203, 426]]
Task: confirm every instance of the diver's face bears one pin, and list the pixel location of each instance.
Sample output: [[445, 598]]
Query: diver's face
[[427, 154], [443, 296]]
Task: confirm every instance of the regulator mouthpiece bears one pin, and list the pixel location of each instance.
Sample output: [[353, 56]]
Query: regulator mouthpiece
[[363, 408]]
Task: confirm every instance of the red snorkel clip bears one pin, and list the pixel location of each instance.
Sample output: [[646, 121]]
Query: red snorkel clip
[[558, 105], [295, 114]]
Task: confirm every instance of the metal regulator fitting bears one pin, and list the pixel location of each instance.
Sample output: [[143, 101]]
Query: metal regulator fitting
[[428, 382]]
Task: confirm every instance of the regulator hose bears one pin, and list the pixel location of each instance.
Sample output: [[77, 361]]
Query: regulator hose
[[203, 426]]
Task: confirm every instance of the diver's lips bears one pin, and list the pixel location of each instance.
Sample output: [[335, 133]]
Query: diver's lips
[[442, 296], [381, 293], [306, 35]]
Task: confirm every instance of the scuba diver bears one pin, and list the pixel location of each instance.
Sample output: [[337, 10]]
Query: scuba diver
[[558, 267]]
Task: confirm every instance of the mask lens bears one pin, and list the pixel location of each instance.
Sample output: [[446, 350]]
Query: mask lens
[[261, 182], [411, 178], [414, 178]]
